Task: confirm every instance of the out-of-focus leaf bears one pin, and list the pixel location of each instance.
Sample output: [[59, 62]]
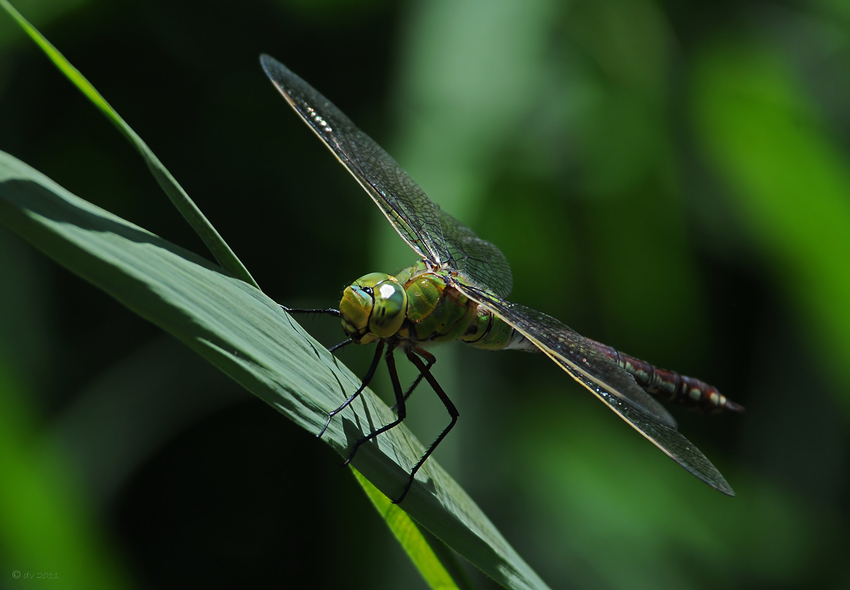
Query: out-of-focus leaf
[[44, 518], [789, 181]]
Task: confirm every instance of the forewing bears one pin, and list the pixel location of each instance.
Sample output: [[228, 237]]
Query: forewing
[[432, 233], [606, 380], [403, 202]]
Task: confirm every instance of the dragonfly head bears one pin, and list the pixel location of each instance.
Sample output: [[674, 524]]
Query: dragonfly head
[[373, 307]]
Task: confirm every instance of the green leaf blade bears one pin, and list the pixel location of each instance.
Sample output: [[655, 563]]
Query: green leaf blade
[[251, 339]]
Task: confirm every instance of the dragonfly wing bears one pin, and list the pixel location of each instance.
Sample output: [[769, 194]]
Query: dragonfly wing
[[674, 445], [579, 358], [606, 380], [432, 233], [403, 202], [477, 259]]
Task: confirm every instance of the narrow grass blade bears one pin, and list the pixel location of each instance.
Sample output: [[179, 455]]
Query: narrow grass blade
[[187, 208]]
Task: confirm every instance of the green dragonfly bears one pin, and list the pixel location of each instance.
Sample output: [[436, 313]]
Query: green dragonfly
[[458, 291]]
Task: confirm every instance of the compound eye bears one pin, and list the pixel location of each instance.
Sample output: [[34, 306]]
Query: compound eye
[[372, 307], [390, 308], [355, 309], [370, 281]]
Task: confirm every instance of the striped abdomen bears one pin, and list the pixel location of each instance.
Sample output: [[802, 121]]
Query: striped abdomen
[[669, 385]]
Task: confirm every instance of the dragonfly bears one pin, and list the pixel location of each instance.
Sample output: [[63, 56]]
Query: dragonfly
[[458, 291]]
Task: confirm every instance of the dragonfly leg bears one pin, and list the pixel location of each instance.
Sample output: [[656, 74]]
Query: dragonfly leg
[[399, 398], [431, 360], [366, 379], [450, 407], [326, 311], [336, 347]]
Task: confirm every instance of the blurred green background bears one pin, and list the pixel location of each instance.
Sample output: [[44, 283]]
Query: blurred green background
[[672, 180]]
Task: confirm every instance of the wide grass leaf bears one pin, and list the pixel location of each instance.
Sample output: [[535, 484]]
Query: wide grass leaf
[[245, 334]]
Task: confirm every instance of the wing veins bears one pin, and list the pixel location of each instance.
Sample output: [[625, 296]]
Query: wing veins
[[663, 435], [428, 230]]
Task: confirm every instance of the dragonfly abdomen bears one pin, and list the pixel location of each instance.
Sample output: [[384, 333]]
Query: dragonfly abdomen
[[669, 385]]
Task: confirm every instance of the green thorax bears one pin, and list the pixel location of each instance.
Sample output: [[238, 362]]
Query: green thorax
[[417, 306]]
